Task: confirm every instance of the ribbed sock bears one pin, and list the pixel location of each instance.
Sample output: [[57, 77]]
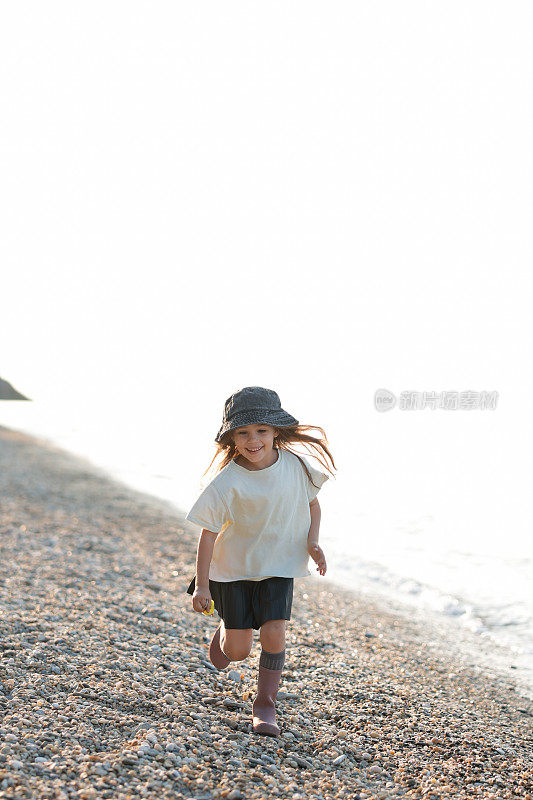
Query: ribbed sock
[[272, 660]]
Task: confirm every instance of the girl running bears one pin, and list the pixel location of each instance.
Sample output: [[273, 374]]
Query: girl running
[[260, 520]]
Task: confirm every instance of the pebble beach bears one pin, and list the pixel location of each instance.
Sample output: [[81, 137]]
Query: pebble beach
[[107, 691]]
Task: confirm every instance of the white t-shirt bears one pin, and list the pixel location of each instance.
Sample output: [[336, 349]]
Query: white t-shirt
[[262, 517]]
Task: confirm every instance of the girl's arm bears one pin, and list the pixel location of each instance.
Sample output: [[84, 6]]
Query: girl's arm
[[313, 548], [204, 554], [312, 536]]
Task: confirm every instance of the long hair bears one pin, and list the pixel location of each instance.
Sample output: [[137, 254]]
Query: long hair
[[286, 436]]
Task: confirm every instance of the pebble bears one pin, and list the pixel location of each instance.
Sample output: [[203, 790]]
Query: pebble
[[106, 690]]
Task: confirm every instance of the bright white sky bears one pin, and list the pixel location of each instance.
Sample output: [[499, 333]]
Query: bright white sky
[[319, 198]]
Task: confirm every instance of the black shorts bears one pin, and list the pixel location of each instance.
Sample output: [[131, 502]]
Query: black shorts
[[248, 604]]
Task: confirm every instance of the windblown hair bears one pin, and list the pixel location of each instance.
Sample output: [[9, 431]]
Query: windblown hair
[[286, 436]]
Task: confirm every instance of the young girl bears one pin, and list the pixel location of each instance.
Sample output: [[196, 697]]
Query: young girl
[[260, 518]]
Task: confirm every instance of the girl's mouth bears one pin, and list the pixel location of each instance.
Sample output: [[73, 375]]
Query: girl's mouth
[[256, 450]]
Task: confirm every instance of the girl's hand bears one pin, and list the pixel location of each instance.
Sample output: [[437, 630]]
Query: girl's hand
[[201, 599], [317, 554]]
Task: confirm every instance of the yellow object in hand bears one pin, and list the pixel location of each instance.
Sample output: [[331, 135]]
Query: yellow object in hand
[[211, 609]]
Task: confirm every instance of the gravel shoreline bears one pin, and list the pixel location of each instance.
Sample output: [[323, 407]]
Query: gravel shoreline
[[107, 691]]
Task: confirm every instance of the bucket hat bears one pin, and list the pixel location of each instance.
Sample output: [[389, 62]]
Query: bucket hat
[[251, 406]]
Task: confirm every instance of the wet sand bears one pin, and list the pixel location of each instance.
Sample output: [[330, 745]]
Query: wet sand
[[107, 691]]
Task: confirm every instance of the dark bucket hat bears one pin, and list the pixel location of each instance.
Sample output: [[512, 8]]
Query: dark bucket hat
[[251, 406]]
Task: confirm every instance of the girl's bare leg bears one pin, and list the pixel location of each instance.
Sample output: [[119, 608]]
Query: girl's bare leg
[[272, 635], [236, 643]]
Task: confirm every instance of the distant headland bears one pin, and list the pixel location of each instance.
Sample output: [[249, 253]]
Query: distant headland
[[8, 393]]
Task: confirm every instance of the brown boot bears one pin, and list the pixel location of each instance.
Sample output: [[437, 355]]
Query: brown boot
[[263, 707], [216, 654]]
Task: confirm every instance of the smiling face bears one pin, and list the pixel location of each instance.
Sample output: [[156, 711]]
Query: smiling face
[[255, 442]]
